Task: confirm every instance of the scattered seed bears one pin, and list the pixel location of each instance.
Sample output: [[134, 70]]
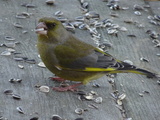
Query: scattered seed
[[15, 96], [89, 97], [50, 2], [21, 66], [137, 13], [62, 19], [20, 110], [114, 14], [157, 17], [128, 21], [28, 5], [13, 80], [122, 96], [9, 38], [119, 102], [41, 64], [128, 61], [58, 13], [79, 111], [8, 92], [93, 93], [146, 92], [6, 53], [10, 50], [24, 31], [98, 100], [158, 54], [111, 81], [44, 89], [92, 14], [158, 81], [31, 61], [153, 22], [96, 85], [9, 45], [92, 106], [85, 5], [131, 35], [124, 29], [80, 18], [144, 59], [81, 93], [18, 25], [56, 117], [138, 7], [79, 119], [22, 15], [140, 94], [34, 118]]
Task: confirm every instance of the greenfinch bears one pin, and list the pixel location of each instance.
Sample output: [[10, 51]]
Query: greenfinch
[[72, 59]]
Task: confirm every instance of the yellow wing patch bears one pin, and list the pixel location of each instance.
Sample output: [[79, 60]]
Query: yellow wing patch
[[99, 69]]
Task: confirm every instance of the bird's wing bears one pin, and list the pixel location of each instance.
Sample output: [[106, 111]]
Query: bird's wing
[[84, 57]]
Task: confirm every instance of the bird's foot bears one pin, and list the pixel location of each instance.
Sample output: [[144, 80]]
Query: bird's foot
[[58, 79], [67, 88]]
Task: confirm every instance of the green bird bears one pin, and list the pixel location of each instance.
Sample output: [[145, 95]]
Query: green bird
[[72, 59]]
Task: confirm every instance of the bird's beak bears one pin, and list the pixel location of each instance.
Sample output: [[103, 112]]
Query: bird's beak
[[41, 28]]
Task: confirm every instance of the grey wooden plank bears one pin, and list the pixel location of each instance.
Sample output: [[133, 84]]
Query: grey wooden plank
[[33, 102], [146, 107]]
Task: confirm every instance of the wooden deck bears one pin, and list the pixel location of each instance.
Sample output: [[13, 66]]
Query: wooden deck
[[43, 105]]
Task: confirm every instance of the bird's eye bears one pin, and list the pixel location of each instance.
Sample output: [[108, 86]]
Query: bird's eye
[[51, 25]]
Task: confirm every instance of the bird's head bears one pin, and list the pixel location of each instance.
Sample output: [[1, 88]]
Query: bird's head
[[49, 27]]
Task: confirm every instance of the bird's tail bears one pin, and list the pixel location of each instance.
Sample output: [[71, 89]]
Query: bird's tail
[[125, 67], [143, 72]]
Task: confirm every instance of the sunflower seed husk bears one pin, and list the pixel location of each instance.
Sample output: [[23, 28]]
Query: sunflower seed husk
[[80, 18], [79, 119], [56, 117], [92, 14], [79, 111], [85, 5], [50, 2], [119, 102], [138, 7], [89, 97], [131, 35], [144, 59], [44, 89], [124, 29], [98, 100], [23, 15], [9, 45], [28, 5], [20, 110], [9, 38], [15, 96], [122, 96], [34, 118], [137, 13], [58, 13], [8, 92], [21, 66], [128, 61], [157, 17], [96, 85], [62, 19], [92, 106], [81, 93], [6, 53], [18, 25], [140, 94], [41, 64]]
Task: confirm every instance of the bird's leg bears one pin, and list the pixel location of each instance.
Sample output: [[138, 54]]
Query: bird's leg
[[58, 79], [67, 88]]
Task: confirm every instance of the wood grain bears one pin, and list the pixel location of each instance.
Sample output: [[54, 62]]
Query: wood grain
[[35, 103]]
